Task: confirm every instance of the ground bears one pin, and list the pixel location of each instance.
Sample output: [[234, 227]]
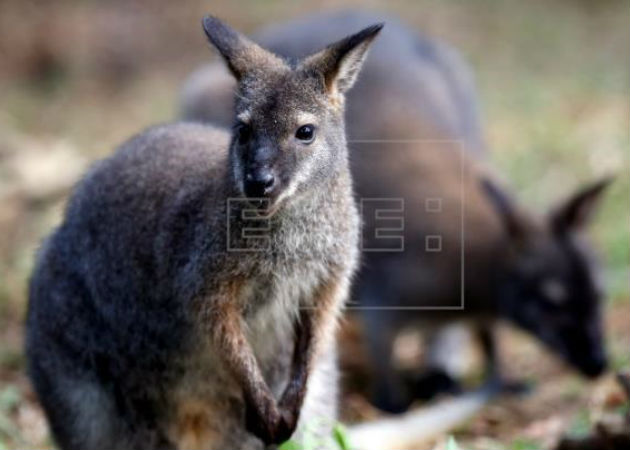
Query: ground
[[560, 403], [78, 78]]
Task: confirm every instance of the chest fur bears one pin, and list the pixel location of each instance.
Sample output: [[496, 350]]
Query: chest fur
[[272, 306], [201, 410]]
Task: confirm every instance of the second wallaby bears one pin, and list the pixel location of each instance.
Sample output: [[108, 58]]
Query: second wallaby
[[190, 296], [466, 251]]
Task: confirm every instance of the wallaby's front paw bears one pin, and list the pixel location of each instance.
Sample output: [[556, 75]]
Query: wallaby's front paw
[[268, 424], [290, 409], [290, 406], [507, 386], [288, 423], [262, 421], [391, 400], [515, 387], [435, 382]]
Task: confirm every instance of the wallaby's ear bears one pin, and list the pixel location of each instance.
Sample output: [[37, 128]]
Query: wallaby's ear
[[241, 54], [505, 207], [340, 63], [575, 213]]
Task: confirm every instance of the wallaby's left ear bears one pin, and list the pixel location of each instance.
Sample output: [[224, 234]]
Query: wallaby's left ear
[[340, 63], [503, 204], [575, 213]]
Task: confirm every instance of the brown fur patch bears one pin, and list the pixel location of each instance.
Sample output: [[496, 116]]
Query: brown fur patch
[[194, 428]]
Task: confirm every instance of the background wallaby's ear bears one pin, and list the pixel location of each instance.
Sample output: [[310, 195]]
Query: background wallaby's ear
[[505, 207], [340, 63], [575, 213], [241, 54]]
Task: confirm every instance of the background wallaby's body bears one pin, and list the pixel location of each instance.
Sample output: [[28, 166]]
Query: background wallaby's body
[[414, 134], [156, 321]]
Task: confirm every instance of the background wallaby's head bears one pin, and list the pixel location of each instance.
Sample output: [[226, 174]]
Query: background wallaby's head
[[550, 285], [288, 129]]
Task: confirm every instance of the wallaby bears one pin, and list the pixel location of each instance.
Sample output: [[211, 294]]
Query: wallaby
[[190, 296], [469, 253]]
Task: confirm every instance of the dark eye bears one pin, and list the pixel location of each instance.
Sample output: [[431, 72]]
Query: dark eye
[[243, 132], [306, 133], [554, 291]]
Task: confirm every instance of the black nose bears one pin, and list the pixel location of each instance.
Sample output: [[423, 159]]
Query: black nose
[[595, 367], [259, 183]]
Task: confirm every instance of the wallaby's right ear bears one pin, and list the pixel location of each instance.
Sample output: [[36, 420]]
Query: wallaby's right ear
[[241, 54], [577, 211], [505, 208], [340, 63]]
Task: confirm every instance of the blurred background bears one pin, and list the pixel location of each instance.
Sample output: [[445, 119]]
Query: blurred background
[[79, 77]]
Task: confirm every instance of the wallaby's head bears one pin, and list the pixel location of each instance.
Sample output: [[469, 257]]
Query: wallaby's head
[[550, 286], [288, 134]]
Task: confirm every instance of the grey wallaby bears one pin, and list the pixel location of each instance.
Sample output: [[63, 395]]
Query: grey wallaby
[[464, 249], [190, 296]]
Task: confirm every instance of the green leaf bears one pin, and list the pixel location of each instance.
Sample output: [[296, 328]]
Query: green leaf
[[340, 435], [290, 445], [451, 444], [526, 444]]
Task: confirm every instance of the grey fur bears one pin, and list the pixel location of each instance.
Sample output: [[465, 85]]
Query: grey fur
[[127, 293]]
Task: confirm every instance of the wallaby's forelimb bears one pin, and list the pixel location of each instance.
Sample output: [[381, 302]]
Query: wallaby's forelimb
[[488, 345], [494, 371], [293, 395], [309, 342], [226, 322], [271, 421]]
